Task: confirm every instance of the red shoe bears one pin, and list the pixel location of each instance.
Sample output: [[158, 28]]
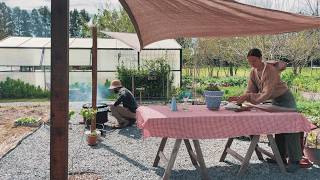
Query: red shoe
[[305, 163]]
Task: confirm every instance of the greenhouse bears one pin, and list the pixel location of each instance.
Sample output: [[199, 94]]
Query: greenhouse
[[28, 58]]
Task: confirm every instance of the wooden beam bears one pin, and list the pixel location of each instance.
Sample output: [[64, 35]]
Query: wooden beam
[[224, 153], [173, 156], [59, 96], [267, 153], [94, 74], [160, 149], [235, 154]]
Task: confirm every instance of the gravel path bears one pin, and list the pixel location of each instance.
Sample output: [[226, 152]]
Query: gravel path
[[124, 154]]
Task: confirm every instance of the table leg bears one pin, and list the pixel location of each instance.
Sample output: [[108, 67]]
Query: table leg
[[173, 156], [161, 147], [224, 154], [253, 145], [203, 168], [276, 153], [190, 152]]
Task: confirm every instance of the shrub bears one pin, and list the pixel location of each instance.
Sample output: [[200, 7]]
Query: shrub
[[153, 76], [26, 121], [15, 89], [232, 91], [309, 108]]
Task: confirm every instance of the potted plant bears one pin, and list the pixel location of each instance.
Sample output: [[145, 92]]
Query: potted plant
[[312, 147], [89, 114], [70, 114], [213, 96], [92, 137]]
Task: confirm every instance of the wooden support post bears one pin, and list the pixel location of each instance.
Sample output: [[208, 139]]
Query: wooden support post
[[59, 91], [193, 157], [276, 153], [224, 153], [94, 74], [161, 147], [252, 147], [173, 156], [203, 168]]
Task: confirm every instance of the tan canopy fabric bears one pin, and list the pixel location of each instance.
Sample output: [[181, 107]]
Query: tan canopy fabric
[[155, 20], [130, 39]]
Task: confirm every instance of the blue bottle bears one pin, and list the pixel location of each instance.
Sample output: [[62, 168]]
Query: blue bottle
[[174, 104]]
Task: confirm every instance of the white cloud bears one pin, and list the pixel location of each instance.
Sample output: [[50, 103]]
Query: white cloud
[[91, 6]]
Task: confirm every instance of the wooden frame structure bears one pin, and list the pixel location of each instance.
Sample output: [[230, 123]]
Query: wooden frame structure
[[59, 97], [196, 157]]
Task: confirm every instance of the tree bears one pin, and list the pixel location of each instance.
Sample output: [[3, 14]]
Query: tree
[[45, 17], [113, 20], [36, 24], [6, 24], [84, 20], [17, 20], [75, 21], [25, 23], [79, 23], [298, 48], [187, 50]]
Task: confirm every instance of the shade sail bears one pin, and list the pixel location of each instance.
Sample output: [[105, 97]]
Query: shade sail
[[132, 40], [155, 20]]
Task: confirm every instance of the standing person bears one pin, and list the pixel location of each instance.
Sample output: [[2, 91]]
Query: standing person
[[125, 114], [265, 84]]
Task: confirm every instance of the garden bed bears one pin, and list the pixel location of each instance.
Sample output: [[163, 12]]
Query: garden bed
[[10, 135]]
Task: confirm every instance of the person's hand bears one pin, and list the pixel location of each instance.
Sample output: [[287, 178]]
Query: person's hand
[[233, 98], [242, 99]]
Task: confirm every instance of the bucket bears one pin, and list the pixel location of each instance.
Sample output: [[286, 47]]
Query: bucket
[[213, 99]]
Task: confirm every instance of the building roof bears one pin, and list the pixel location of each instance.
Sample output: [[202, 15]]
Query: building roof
[[82, 43]]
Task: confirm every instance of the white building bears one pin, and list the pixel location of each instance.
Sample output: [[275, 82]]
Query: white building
[[28, 58]]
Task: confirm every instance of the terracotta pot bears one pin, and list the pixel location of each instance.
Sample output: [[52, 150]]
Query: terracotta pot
[[92, 140], [313, 154]]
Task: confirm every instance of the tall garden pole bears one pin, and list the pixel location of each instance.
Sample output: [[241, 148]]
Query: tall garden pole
[[94, 74], [59, 96]]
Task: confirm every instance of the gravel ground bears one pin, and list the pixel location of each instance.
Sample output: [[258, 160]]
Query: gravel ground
[[124, 154]]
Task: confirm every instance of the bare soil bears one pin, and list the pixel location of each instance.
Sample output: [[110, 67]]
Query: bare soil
[[10, 135]]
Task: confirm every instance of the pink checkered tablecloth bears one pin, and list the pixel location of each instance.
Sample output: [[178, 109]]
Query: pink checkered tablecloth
[[200, 123]]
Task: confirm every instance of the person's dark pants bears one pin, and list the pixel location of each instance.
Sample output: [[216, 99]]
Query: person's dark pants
[[289, 144]]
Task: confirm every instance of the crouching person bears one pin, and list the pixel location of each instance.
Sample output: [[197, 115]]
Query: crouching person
[[125, 114]]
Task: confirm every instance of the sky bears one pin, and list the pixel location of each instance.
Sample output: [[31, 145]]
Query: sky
[[92, 6]]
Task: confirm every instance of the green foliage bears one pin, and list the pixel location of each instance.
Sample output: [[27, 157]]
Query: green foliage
[[288, 77], [70, 114], [25, 121], [153, 76], [232, 91], [6, 25], [114, 20], [309, 108], [312, 140], [212, 87], [78, 23], [307, 83], [14, 89], [93, 133], [88, 113]]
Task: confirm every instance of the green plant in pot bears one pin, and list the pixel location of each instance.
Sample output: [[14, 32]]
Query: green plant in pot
[[312, 148], [71, 114], [213, 96], [89, 114]]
